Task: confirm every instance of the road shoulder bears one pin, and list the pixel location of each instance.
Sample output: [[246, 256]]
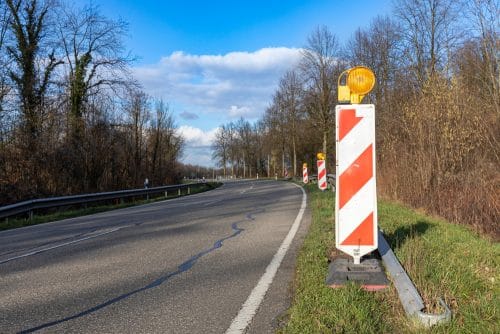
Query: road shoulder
[[272, 311]]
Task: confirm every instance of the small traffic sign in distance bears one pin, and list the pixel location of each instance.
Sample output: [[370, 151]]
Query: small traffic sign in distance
[[356, 199], [305, 175], [322, 185]]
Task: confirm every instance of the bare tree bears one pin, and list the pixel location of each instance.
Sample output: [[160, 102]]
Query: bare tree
[[220, 148], [319, 68], [231, 135], [137, 110], [5, 87], [95, 58], [485, 15], [33, 69], [291, 91], [276, 121], [378, 48], [431, 30], [34, 62], [245, 143], [165, 144], [4, 60]]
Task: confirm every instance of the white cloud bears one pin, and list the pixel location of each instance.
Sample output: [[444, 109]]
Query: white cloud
[[198, 156], [198, 149], [237, 83], [236, 112], [217, 89], [196, 137]]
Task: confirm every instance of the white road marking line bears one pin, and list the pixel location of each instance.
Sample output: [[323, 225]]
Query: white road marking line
[[60, 245], [245, 190], [249, 308]]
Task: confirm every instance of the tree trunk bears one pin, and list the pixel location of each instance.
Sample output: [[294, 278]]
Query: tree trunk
[[325, 140]]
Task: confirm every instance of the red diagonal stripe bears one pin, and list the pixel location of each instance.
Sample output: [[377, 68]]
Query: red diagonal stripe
[[356, 176], [321, 169], [362, 235], [347, 121]]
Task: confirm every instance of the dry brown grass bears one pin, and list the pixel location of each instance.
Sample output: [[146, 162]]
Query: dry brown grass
[[442, 154]]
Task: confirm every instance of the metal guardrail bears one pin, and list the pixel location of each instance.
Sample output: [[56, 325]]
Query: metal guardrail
[[46, 203], [413, 303]]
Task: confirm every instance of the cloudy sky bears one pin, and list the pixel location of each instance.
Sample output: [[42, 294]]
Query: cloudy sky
[[216, 61]]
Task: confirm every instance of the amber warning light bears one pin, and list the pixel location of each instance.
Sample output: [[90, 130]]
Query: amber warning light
[[359, 81]]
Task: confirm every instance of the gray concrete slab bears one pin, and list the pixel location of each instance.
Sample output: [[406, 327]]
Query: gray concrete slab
[[369, 274]]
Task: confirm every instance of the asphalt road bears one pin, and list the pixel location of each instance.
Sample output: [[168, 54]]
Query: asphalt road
[[179, 266]]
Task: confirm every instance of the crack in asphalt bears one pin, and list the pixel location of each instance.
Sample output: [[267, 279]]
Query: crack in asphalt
[[186, 265]]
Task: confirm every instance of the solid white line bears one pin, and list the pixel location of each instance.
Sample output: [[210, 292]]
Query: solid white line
[[249, 308], [60, 245]]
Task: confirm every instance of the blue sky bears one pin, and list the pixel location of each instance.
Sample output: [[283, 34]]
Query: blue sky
[[216, 61]]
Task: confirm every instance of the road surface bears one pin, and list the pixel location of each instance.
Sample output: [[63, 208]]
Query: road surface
[[180, 266]]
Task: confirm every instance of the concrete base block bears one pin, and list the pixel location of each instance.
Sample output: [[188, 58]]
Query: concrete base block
[[369, 274]]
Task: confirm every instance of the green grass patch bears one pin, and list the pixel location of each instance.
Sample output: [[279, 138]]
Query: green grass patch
[[65, 213], [448, 261], [443, 260]]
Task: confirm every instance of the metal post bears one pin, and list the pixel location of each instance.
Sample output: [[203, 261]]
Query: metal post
[[189, 191], [268, 166], [179, 191], [166, 194]]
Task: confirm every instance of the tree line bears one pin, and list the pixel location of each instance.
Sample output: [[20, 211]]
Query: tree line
[[437, 98], [72, 117]]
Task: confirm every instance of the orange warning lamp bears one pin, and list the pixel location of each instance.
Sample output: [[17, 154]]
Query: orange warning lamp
[[320, 156], [359, 82]]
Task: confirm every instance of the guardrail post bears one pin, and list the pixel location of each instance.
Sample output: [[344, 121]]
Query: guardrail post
[[31, 215], [179, 191], [189, 190], [166, 194]]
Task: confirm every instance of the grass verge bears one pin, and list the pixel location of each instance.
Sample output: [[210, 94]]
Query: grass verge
[[443, 260], [64, 213]]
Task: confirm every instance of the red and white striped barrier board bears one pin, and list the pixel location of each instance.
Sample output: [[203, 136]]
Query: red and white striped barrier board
[[305, 177], [356, 195], [321, 175]]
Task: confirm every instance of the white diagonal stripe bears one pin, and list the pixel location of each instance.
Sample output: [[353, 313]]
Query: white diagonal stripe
[[356, 210], [354, 143]]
